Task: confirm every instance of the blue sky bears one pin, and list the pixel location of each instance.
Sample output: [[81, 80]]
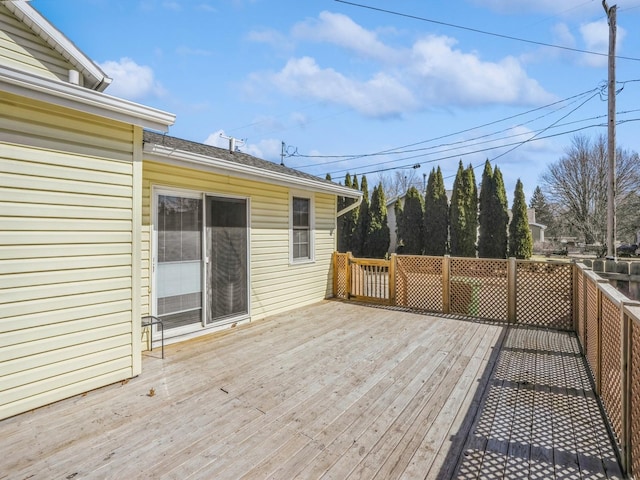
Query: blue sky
[[332, 79]]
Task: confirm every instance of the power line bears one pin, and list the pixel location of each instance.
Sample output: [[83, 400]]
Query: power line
[[483, 32], [391, 151], [400, 150]]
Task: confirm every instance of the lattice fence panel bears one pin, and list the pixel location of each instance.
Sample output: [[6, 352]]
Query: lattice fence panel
[[419, 282], [544, 294], [634, 372], [579, 295], [611, 389], [341, 266], [478, 288], [591, 317]]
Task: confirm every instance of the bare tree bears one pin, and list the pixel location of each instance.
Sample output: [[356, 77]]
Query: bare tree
[[577, 185], [397, 183]]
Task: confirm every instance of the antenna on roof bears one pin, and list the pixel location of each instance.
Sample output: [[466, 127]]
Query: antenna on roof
[[233, 143], [282, 154]]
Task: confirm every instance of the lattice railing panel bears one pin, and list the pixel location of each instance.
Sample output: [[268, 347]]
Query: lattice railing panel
[[479, 288], [591, 318], [634, 410], [611, 364], [544, 294], [419, 282], [340, 271], [579, 296]]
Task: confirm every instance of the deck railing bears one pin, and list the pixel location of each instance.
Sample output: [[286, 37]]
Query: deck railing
[[608, 327], [561, 295], [506, 290]]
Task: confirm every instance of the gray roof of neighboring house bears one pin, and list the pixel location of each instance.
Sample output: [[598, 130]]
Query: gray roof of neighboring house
[[238, 158]]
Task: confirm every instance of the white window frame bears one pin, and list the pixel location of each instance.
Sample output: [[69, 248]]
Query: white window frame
[[312, 228]]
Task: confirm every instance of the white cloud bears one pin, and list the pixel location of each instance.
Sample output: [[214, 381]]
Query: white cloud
[[450, 76], [170, 5], [270, 37], [215, 139], [130, 80], [595, 36], [396, 81], [379, 96], [340, 30]]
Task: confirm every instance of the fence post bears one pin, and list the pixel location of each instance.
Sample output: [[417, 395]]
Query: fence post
[[446, 284], [392, 279], [348, 276], [574, 295], [511, 289]]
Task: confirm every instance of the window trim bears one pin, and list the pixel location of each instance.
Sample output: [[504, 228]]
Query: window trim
[[312, 257]]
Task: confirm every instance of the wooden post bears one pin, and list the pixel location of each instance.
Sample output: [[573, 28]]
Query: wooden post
[[599, 342], [348, 279], [446, 284], [512, 285], [611, 133], [392, 279], [334, 263]]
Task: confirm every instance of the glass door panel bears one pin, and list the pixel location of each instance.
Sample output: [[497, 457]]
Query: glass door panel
[[227, 293], [179, 260]]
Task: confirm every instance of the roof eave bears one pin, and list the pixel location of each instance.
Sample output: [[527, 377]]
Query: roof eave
[[98, 80], [165, 154], [79, 98]]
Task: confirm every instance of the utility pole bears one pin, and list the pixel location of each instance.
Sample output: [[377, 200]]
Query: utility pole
[[611, 133]]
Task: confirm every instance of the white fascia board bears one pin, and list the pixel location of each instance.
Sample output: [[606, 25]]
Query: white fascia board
[[59, 42], [162, 154], [79, 98]]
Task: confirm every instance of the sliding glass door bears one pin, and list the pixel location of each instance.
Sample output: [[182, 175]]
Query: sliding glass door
[[200, 261]]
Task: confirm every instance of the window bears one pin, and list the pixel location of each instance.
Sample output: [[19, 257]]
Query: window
[[301, 229]]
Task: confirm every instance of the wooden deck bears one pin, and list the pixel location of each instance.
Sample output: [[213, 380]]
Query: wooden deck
[[337, 391]]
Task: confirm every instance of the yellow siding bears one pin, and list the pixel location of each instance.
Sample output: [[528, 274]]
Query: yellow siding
[[276, 285], [22, 50], [68, 311]]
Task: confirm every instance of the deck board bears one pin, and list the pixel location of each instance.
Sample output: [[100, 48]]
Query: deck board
[[334, 390]]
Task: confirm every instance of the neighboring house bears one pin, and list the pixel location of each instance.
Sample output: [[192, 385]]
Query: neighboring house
[[103, 221]]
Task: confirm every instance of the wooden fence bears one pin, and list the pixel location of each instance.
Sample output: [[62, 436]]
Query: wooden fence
[[567, 296], [506, 290]]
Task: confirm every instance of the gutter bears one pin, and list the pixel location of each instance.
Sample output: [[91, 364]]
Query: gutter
[[354, 205]]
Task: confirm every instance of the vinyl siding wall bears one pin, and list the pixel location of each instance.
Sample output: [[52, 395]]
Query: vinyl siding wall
[[22, 50], [69, 319], [275, 284]]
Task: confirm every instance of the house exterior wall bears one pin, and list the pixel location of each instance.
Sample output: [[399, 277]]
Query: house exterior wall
[[22, 50], [69, 237], [275, 284]]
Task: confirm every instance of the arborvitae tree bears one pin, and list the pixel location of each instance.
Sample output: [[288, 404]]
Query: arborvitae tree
[[410, 223], [362, 227], [544, 214], [346, 222], [471, 213], [485, 216], [376, 243], [520, 240], [493, 217], [457, 216], [502, 218], [436, 215], [328, 177]]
